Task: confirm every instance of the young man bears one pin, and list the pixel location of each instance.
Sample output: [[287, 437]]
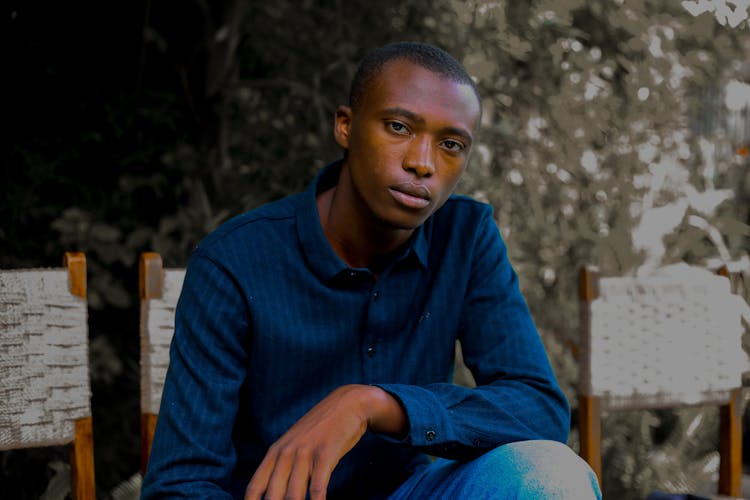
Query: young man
[[315, 336]]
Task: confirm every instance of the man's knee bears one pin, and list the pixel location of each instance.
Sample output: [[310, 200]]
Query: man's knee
[[541, 469]]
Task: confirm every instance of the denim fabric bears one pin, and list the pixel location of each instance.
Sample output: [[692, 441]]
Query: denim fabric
[[271, 320], [525, 470]]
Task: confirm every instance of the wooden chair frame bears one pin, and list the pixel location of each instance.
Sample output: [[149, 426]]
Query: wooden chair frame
[[159, 292], [150, 284], [590, 408], [83, 485]]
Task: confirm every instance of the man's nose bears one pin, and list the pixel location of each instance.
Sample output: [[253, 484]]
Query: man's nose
[[419, 157]]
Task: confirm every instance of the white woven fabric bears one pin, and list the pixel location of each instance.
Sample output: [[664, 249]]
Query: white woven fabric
[[157, 329], [670, 338], [44, 377]]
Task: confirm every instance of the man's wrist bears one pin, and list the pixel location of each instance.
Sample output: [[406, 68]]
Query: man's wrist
[[384, 413]]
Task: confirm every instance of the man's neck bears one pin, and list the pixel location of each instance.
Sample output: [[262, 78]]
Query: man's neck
[[360, 241]]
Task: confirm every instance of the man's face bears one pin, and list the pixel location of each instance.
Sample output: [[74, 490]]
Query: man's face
[[408, 143]]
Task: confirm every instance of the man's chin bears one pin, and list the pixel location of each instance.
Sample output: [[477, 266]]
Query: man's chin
[[402, 224]]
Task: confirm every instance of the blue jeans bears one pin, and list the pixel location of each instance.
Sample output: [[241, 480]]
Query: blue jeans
[[522, 470]]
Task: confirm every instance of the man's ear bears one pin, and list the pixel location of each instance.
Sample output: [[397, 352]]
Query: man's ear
[[342, 123]]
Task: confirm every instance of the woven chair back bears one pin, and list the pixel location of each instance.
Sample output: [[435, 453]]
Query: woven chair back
[[665, 340], [43, 359], [45, 391]]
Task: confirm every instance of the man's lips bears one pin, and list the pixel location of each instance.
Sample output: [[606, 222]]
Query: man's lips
[[410, 194]]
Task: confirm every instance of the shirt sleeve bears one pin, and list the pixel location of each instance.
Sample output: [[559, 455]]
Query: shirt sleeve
[[517, 395], [193, 455]]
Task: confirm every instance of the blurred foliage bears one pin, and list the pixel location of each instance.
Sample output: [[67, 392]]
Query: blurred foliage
[[143, 125]]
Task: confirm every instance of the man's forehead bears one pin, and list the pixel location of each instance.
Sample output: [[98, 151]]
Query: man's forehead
[[407, 85]]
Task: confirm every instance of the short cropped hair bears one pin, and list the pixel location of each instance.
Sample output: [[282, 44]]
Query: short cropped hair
[[427, 56]]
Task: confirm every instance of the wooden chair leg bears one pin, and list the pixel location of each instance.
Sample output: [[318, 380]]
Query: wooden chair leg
[[730, 447], [148, 426], [590, 426], [82, 485]]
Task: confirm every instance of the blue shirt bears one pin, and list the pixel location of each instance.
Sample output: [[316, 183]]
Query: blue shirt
[[271, 320]]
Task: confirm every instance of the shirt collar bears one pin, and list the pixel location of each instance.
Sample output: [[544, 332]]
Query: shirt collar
[[324, 262]]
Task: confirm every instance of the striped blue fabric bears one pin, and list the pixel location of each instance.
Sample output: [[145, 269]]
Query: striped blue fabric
[[271, 320]]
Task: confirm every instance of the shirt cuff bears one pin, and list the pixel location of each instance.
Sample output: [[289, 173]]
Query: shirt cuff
[[428, 425]]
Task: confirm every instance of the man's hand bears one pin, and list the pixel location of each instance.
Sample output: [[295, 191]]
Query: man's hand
[[309, 451]]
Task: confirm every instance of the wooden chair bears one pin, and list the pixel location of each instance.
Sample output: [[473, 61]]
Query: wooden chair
[[159, 290], [45, 390], [666, 340]]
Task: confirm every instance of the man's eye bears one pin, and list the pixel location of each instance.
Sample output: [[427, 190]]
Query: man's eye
[[398, 128], [453, 146]]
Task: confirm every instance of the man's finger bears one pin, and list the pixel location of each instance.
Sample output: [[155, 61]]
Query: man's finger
[[257, 485], [321, 475], [279, 478], [299, 476]]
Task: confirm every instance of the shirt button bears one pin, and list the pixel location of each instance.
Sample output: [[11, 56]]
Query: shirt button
[[371, 351], [429, 435], [375, 296]]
